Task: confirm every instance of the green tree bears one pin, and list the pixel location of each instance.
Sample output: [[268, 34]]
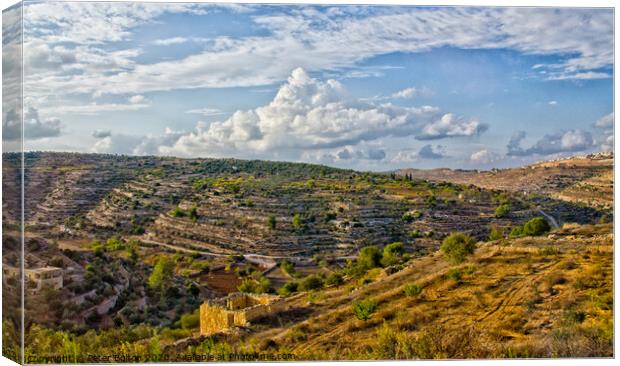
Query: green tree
[[502, 210], [516, 231], [248, 286], [312, 282], [162, 275], [393, 254], [458, 246], [288, 288], [369, 257], [536, 226], [193, 214], [297, 222], [271, 222], [334, 279]]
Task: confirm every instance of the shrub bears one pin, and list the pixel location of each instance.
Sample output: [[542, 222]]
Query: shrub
[[407, 217], [247, 286], [312, 282], [178, 212], [392, 254], [363, 309], [496, 233], [454, 274], [414, 234], [516, 231], [288, 288], [334, 279], [193, 214], [457, 246], [162, 275], [288, 268], [536, 226], [413, 289], [502, 211], [190, 321], [271, 222], [297, 222], [369, 257]]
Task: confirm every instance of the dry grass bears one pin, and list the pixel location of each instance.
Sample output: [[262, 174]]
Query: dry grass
[[512, 301]]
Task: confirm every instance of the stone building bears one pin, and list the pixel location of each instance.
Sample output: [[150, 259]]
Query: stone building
[[38, 278], [237, 309]]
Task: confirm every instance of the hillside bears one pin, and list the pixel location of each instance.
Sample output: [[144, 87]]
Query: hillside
[[549, 296], [531, 297], [141, 242], [585, 179]]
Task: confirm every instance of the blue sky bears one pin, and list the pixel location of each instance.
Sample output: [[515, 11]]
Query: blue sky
[[365, 87]]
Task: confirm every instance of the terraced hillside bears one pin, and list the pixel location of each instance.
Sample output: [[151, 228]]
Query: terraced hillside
[[585, 179], [142, 241], [223, 207]]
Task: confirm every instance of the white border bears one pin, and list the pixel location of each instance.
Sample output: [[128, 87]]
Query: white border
[[548, 3]]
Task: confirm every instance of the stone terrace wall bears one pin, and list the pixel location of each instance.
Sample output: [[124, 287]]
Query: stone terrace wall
[[237, 309]]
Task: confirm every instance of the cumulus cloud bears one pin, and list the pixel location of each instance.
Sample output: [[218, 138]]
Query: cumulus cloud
[[405, 93], [565, 141], [366, 154], [606, 123], [553, 102], [450, 126], [34, 127], [307, 113], [99, 134], [428, 152], [133, 145], [484, 156]]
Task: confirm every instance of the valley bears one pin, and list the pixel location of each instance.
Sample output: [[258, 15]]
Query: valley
[[141, 242]]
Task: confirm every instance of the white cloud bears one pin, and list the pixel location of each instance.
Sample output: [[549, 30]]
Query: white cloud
[[34, 127], [136, 99], [605, 121], [451, 126], [334, 39], [95, 108], [565, 141], [309, 114], [590, 75], [426, 152], [484, 157], [206, 111], [170, 41], [553, 102], [430, 152], [405, 93], [99, 134], [133, 145]]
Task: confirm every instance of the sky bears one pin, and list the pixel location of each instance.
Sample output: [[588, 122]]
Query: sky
[[363, 87]]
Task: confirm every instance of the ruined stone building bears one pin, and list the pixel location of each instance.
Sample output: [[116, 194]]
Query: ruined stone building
[[237, 309], [38, 278]]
